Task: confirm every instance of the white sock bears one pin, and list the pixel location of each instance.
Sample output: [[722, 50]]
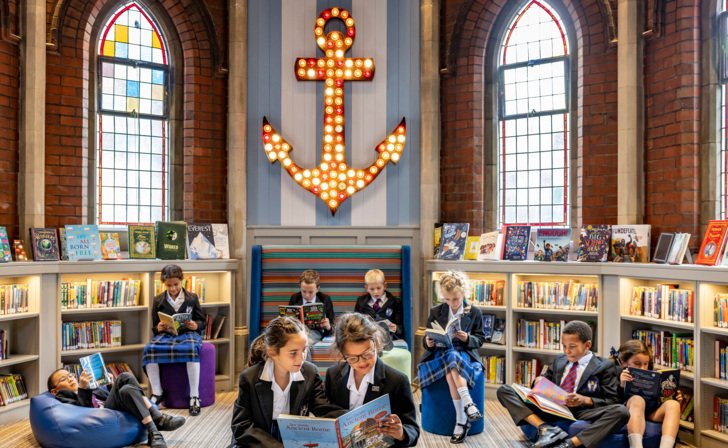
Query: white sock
[[460, 416], [154, 381], [667, 442], [193, 373], [635, 440], [464, 396]]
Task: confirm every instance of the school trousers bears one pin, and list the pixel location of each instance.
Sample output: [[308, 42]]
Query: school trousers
[[126, 395]]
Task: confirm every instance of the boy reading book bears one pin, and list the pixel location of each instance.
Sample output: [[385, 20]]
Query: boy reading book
[[591, 388], [380, 304], [94, 364], [310, 292], [310, 314], [547, 396]]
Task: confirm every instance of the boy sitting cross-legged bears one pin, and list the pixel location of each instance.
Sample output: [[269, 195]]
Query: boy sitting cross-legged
[[592, 387]]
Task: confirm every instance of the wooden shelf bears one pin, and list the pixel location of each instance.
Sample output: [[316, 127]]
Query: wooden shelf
[[17, 316], [715, 330], [217, 341], [210, 304], [492, 386], [687, 425], [496, 347], [88, 351], [222, 378], [555, 311], [660, 322], [491, 307], [713, 434], [17, 359], [17, 405], [715, 382], [538, 351], [107, 309]]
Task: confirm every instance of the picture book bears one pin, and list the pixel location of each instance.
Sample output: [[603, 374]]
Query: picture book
[[515, 242], [174, 322], [308, 313], [552, 244], [6, 254], [19, 250], [110, 245], [499, 332], [201, 242], [548, 397], [658, 385], [437, 238], [452, 242], [356, 428], [94, 364], [594, 243], [713, 244], [679, 250], [443, 336], [472, 248], [488, 321], [83, 242], [142, 243], [44, 242], [171, 240], [220, 237], [662, 250], [630, 243], [490, 246]]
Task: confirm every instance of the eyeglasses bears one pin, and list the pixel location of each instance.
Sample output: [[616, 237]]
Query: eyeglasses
[[65, 378], [366, 356]]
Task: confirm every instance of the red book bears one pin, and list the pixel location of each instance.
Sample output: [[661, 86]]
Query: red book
[[713, 243]]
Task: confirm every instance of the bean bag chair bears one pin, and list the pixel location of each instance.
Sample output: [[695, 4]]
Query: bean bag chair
[[438, 413], [651, 439]]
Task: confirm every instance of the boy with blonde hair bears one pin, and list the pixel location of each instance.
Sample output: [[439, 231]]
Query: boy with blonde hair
[[380, 304]]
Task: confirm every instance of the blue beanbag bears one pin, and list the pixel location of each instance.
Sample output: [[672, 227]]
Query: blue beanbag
[[437, 411], [651, 439], [61, 425]]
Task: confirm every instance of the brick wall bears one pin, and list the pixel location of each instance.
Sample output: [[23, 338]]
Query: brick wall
[[9, 106]]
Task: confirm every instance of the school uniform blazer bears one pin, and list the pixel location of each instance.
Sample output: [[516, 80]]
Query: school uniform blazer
[[598, 380], [471, 323], [392, 310], [191, 300], [297, 299], [253, 411], [386, 381]]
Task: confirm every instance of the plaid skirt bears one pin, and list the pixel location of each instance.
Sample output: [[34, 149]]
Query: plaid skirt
[[166, 348], [444, 361]]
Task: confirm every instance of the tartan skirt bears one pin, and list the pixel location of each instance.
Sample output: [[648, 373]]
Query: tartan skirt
[[444, 361], [167, 348]]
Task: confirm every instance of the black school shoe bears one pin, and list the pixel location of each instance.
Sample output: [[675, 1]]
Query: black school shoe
[[473, 413], [155, 439], [169, 422], [194, 406], [460, 437], [549, 435], [563, 444]]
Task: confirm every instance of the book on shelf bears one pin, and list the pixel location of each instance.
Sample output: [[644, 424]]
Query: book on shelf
[[63, 243], [171, 240], [13, 299], [110, 245], [90, 334], [142, 242], [488, 322], [542, 402], [83, 242], [594, 243], [494, 367], [711, 249], [570, 295], [552, 244], [437, 237], [217, 324], [662, 249], [539, 334], [19, 250], [443, 336], [663, 301], [94, 364], [499, 332], [175, 321], [679, 250], [720, 414], [516, 240], [12, 389], [487, 292], [44, 243], [221, 239], [670, 350], [491, 246], [720, 310], [99, 293], [527, 370], [452, 242], [687, 403], [310, 314], [4, 353], [472, 248], [653, 385], [201, 242], [720, 354], [630, 243], [113, 368], [358, 427], [6, 254]]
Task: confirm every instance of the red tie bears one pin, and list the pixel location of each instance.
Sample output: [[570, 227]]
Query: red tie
[[570, 380], [377, 305]]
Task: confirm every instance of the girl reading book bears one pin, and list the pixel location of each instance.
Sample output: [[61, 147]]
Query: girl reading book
[[634, 354], [278, 380], [459, 363], [363, 377], [171, 344]]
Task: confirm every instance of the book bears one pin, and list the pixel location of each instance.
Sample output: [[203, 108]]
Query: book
[[490, 246], [630, 243], [356, 428], [488, 321], [542, 402], [652, 385], [499, 332], [142, 242], [515, 242], [713, 244], [220, 237], [63, 243], [44, 243], [437, 238], [110, 245], [6, 255], [679, 250], [217, 323], [83, 242], [594, 243], [309, 313], [452, 243], [171, 240], [443, 336], [662, 250], [201, 242], [19, 250], [94, 364], [472, 248], [174, 322], [552, 244]]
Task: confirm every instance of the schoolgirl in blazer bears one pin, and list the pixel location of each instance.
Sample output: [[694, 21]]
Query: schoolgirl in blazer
[[471, 322]]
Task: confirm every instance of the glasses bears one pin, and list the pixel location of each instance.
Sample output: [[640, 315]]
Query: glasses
[[65, 378], [366, 356]]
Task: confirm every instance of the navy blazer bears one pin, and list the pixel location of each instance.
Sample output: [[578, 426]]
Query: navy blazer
[[471, 323], [297, 299], [191, 302], [597, 382], [392, 310], [386, 381]]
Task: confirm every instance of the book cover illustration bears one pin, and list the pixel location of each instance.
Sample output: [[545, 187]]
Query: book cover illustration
[[658, 385], [44, 242], [83, 242], [19, 250], [310, 314], [94, 364], [6, 254], [679, 250], [174, 322], [499, 332], [437, 238], [171, 240], [201, 242], [552, 244], [221, 240], [452, 243], [594, 243], [713, 243], [142, 243], [443, 336], [110, 245], [515, 242], [488, 321], [490, 246], [472, 248], [664, 242], [631, 243]]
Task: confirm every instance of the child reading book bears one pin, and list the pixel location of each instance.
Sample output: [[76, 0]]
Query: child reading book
[[172, 342], [460, 363], [380, 304], [310, 292], [278, 380], [364, 377], [632, 359], [591, 388], [547, 396]]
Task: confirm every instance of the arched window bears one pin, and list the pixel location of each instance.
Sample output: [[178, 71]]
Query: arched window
[[132, 156], [533, 112]]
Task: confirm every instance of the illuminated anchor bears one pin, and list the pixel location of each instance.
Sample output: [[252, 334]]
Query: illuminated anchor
[[333, 181]]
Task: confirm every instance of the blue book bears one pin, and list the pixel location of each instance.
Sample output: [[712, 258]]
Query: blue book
[[83, 242], [6, 255], [515, 242], [452, 241], [94, 364]]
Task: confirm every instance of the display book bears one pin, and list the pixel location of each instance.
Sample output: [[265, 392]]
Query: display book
[[310, 314], [358, 427], [174, 322], [546, 396], [453, 241]]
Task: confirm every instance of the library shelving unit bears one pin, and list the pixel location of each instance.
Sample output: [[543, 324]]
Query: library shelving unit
[[36, 336]]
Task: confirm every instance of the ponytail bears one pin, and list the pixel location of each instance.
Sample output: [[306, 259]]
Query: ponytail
[[274, 337], [257, 351]]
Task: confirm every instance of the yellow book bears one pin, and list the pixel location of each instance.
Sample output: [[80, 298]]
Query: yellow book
[[472, 248]]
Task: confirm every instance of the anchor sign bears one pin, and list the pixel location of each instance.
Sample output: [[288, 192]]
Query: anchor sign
[[333, 181]]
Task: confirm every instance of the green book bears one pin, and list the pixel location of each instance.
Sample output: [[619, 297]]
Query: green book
[[171, 240], [142, 242]]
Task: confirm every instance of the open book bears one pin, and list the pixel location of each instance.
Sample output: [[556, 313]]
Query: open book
[[357, 427], [443, 336], [657, 385], [546, 396], [94, 364], [309, 313], [174, 322]]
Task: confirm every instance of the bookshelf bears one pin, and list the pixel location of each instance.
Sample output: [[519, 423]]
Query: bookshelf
[[36, 335]]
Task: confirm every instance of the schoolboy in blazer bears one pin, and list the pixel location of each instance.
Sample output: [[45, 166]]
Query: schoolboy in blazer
[[471, 322], [297, 299], [391, 310]]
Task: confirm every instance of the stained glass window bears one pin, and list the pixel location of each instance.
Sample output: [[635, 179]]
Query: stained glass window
[[132, 163], [533, 143]]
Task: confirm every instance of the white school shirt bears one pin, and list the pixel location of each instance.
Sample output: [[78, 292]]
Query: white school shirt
[[382, 300], [356, 396], [459, 312], [306, 302], [580, 367], [281, 397], [176, 302]]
